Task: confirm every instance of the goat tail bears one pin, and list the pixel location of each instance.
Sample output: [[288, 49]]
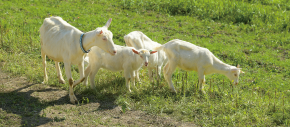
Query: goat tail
[[126, 39], [158, 48], [145, 38]]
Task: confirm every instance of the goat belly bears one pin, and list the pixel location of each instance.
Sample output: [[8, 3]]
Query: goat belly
[[55, 59], [187, 67]]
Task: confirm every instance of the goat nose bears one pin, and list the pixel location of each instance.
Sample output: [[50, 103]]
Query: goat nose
[[114, 51], [146, 63]]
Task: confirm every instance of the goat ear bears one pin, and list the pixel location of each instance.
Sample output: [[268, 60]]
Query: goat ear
[[151, 52], [136, 52], [108, 23], [101, 32]]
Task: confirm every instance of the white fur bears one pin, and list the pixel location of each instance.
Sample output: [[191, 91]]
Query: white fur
[[60, 42], [190, 57], [139, 40], [125, 60]]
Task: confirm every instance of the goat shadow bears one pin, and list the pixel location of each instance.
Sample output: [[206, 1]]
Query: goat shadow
[[29, 108]]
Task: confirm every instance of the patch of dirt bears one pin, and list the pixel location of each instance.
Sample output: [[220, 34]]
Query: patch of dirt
[[26, 104]]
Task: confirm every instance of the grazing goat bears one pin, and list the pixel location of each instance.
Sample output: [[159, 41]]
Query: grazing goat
[[63, 42], [190, 57], [139, 40], [127, 59]]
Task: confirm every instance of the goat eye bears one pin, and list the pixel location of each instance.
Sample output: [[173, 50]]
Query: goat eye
[[235, 74]]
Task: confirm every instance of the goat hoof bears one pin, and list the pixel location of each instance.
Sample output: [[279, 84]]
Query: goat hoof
[[61, 81], [173, 91], [73, 99], [74, 102]]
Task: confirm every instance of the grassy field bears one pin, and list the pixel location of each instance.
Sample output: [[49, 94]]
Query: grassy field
[[251, 33]]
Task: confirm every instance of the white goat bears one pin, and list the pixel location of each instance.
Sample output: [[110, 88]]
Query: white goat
[[127, 59], [139, 40], [190, 57], [62, 42]]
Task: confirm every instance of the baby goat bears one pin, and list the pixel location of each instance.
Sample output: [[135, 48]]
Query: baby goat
[[139, 40], [127, 59]]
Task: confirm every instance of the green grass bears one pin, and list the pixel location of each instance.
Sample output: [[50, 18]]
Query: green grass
[[253, 34], [272, 14]]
